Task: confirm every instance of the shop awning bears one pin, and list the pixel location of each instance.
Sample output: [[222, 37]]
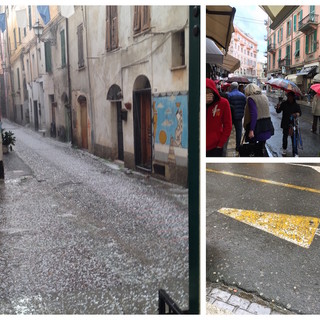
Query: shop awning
[[308, 69], [297, 79], [213, 53], [219, 20], [278, 13], [230, 63]]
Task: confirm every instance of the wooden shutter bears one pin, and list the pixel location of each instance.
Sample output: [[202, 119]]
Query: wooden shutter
[[315, 41], [80, 46], [114, 27], [295, 23], [307, 44], [108, 29], [136, 19], [145, 17], [63, 48], [47, 51]]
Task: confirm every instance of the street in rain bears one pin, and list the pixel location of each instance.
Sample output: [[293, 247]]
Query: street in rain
[[263, 233]]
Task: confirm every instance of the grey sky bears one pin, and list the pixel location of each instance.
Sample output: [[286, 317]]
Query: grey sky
[[250, 19]]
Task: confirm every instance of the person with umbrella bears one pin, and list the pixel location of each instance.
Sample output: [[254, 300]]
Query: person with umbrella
[[290, 111], [315, 106]]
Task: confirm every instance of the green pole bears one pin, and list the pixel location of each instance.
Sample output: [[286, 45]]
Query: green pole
[[194, 159]]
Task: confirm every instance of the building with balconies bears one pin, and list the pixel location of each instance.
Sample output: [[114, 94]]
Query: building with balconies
[[244, 48], [293, 46]]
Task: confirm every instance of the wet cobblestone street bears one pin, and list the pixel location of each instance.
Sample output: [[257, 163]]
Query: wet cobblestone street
[[79, 235]]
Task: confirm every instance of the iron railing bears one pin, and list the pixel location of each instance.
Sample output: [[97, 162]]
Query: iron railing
[[167, 305], [308, 20]]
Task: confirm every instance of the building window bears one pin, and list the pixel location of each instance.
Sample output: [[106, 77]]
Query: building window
[[300, 15], [311, 42], [279, 58], [288, 28], [80, 46], [178, 49], [47, 51], [112, 28], [18, 78], [274, 60], [24, 32], [15, 38], [19, 35], [297, 52], [141, 20], [295, 23], [63, 49], [30, 17]]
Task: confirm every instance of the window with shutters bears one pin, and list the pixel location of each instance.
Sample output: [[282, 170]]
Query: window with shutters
[[297, 52], [288, 28], [295, 23], [30, 17], [19, 35], [311, 42], [18, 79], [15, 38], [47, 53], [112, 28], [178, 49], [141, 19], [80, 46], [63, 48]]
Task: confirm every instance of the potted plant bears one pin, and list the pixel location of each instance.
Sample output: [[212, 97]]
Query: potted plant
[[8, 140]]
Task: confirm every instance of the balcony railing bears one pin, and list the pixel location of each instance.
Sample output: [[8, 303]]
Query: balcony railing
[[284, 62], [309, 22], [271, 47]]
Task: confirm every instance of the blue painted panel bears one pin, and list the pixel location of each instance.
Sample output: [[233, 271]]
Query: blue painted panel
[[171, 120]]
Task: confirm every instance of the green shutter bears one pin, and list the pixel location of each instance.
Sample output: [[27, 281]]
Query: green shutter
[[301, 15], [274, 38], [315, 41], [307, 44], [63, 49], [289, 27], [295, 23], [47, 49]]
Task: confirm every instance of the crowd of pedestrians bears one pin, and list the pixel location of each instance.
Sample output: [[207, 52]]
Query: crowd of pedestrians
[[247, 109]]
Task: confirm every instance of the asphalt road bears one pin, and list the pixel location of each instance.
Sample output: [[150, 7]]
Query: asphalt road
[[244, 256], [310, 141], [79, 235]]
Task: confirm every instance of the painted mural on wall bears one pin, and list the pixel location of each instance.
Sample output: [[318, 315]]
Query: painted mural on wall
[[170, 120]]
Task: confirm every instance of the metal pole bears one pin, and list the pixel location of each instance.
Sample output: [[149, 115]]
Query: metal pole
[[194, 159]]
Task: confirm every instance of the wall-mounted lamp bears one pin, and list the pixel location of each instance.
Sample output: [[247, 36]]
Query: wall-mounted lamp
[[38, 29]]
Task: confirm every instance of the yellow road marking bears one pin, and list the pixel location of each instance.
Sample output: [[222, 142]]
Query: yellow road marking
[[296, 229], [281, 184]]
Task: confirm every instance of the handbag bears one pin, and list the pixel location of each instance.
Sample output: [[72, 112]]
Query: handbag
[[248, 149]]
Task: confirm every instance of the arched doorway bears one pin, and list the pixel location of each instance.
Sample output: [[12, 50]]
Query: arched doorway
[[83, 121], [115, 97], [142, 123]]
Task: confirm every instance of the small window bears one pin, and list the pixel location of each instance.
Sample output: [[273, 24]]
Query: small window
[[80, 46], [141, 20], [112, 28], [178, 49]]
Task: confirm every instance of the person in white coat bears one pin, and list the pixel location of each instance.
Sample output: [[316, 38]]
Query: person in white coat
[[315, 112]]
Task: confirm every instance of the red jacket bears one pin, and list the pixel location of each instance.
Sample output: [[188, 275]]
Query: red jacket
[[219, 121]]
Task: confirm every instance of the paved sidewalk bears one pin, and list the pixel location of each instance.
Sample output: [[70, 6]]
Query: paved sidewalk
[[226, 300]]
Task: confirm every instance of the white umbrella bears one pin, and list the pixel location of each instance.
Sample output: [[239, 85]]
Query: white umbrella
[[214, 54]]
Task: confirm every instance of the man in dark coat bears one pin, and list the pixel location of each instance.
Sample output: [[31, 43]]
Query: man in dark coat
[[290, 110], [237, 102]]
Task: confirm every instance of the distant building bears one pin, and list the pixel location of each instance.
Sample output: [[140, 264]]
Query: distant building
[[293, 46], [244, 48]]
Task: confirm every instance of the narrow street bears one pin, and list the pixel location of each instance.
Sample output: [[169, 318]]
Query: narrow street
[[81, 235], [263, 231], [310, 141]]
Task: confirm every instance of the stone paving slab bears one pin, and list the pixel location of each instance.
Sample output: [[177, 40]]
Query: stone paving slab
[[225, 300]]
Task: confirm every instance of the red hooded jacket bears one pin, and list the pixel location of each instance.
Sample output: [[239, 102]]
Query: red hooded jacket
[[219, 121]]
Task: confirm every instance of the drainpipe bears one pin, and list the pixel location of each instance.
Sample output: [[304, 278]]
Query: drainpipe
[[69, 81], [89, 82]]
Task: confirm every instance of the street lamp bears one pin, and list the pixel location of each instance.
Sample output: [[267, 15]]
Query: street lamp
[[38, 29]]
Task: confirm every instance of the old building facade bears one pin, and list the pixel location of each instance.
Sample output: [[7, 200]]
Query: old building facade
[[110, 79], [293, 46]]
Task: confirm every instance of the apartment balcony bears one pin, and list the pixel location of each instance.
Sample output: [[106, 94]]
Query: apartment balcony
[[271, 47], [310, 22], [284, 62]]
